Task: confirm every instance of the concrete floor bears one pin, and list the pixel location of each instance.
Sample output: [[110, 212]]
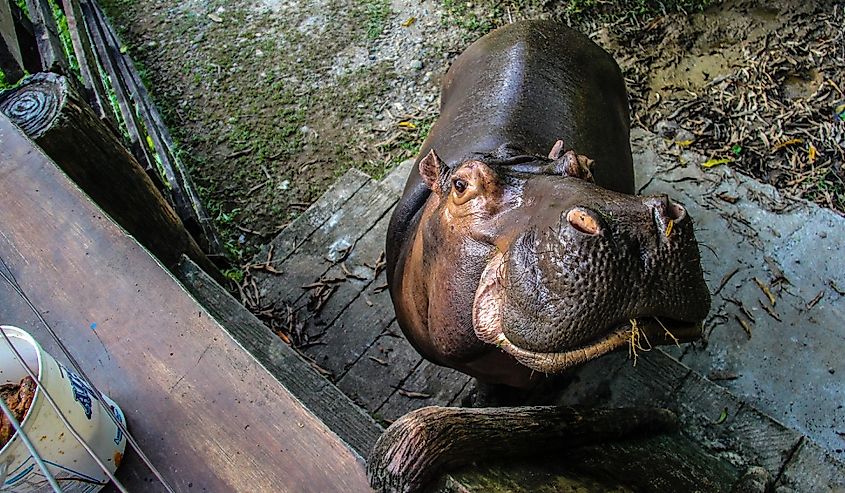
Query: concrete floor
[[788, 363]]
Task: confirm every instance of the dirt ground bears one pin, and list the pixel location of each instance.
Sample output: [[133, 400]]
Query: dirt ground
[[271, 100]]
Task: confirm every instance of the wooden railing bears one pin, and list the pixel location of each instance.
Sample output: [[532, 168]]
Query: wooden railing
[[96, 66]]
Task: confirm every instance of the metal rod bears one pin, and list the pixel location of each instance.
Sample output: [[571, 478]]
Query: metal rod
[[61, 415], [34, 453], [129, 438]]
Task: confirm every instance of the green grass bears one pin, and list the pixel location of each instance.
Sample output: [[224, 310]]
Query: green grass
[[375, 14], [477, 19]]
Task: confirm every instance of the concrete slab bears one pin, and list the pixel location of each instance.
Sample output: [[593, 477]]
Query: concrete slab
[[785, 357]]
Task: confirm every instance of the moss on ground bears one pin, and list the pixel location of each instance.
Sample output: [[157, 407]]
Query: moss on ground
[[265, 119]]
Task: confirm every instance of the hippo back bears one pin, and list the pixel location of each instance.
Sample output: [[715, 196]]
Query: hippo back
[[525, 85]]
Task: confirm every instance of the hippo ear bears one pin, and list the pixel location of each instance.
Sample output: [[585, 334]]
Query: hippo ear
[[575, 165], [431, 170]]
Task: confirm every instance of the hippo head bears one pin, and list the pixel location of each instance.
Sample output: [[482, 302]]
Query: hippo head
[[550, 267]]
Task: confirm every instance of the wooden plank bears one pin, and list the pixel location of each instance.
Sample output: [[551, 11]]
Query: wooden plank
[[25, 38], [356, 313], [659, 463], [762, 441], [205, 411], [301, 229], [704, 406], [589, 384], [316, 255], [11, 61], [63, 125], [525, 476], [812, 468], [721, 421], [358, 271], [348, 337], [381, 369], [53, 57], [652, 382], [466, 397], [138, 144], [180, 186], [321, 397], [88, 69], [428, 385], [709, 413], [108, 56], [328, 245], [395, 180]]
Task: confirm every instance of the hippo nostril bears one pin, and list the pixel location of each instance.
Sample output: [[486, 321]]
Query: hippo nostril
[[583, 221], [665, 209], [675, 211]]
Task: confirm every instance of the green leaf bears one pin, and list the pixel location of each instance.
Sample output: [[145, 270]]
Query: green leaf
[[722, 417]]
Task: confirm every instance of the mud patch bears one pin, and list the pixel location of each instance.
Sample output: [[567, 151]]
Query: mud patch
[[750, 85]]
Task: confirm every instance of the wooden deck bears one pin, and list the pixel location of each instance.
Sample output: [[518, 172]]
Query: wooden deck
[[319, 283], [341, 313], [208, 415]]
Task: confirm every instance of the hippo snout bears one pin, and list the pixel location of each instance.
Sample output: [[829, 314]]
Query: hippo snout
[[605, 264]]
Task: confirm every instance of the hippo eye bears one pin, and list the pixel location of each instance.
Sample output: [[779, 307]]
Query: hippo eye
[[460, 186]]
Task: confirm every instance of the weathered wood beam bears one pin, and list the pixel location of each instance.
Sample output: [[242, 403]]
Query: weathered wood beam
[[125, 77], [137, 144], [26, 38], [88, 68], [205, 413], [50, 112], [11, 61], [53, 57]]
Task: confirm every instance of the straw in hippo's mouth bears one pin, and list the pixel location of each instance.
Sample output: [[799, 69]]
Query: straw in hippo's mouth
[[639, 333], [637, 336]]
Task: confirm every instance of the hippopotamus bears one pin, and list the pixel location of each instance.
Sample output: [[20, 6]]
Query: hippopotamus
[[518, 247]]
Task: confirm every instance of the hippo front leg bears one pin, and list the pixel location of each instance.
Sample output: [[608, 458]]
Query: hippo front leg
[[425, 443]]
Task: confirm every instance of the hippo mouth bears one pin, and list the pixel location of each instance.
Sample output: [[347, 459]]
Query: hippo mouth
[[638, 333]]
